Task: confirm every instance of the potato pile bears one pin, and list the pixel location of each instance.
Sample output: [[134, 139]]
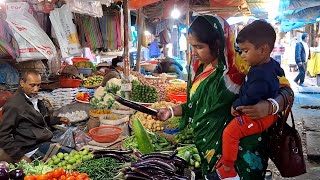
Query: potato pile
[[148, 121]]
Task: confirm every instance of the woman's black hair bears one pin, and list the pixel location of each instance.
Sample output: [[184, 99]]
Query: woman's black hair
[[258, 33], [205, 33]]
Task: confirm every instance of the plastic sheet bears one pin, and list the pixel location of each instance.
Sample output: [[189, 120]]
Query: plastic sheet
[[137, 4]]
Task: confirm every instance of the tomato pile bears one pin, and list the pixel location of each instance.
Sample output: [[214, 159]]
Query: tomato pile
[[58, 174], [83, 96]]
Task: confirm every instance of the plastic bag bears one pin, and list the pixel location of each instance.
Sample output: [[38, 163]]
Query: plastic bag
[[33, 42], [81, 138], [66, 139], [65, 31]]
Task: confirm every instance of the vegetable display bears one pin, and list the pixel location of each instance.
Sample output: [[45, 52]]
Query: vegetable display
[[101, 99], [148, 121], [71, 160], [95, 80], [160, 84], [143, 93], [191, 155], [143, 141], [33, 168], [60, 174], [157, 166], [83, 96], [159, 143], [185, 136], [173, 123], [102, 168]]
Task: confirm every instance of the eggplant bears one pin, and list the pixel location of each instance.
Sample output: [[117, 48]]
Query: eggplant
[[138, 154], [156, 155], [17, 174], [135, 106], [135, 176], [4, 174], [158, 162], [119, 152]]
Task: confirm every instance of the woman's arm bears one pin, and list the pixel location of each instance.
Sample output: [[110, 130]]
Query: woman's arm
[[165, 113], [264, 107]]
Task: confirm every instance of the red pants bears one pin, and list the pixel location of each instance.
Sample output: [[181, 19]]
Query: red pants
[[240, 127]]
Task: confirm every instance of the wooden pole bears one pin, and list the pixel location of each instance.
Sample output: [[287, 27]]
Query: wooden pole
[[188, 44], [140, 37], [126, 86], [126, 39]]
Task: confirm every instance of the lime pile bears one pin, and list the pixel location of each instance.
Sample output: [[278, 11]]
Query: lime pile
[[144, 93], [69, 161]]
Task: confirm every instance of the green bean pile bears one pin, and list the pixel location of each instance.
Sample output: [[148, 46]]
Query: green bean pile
[[98, 169]]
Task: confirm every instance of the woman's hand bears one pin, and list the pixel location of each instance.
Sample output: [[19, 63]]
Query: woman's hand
[[257, 111], [164, 114]]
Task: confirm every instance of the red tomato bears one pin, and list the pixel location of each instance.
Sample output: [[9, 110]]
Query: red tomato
[[63, 177], [87, 178], [49, 175], [75, 174], [57, 173], [81, 176], [71, 178], [42, 177], [30, 178]]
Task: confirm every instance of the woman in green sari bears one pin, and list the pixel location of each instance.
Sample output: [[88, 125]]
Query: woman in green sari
[[213, 84]]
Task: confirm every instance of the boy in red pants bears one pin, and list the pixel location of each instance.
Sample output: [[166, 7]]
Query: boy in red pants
[[256, 42]]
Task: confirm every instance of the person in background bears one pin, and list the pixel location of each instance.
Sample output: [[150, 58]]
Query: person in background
[[169, 65], [260, 83], [302, 53], [154, 49], [278, 51], [24, 130], [113, 71]]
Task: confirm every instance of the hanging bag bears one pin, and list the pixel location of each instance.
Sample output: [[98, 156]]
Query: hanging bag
[[285, 144]]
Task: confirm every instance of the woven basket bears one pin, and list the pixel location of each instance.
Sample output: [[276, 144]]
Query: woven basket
[[93, 122]]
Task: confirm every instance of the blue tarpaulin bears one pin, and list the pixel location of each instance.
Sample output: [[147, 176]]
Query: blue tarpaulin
[[297, 4], [297, 13]]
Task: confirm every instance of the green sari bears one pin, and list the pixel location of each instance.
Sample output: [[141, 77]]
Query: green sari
[[210, 96]]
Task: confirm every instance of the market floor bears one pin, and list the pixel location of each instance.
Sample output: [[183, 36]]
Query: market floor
[[304, 96]]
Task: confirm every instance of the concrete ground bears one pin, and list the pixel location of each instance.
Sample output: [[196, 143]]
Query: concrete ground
[[306, 111]]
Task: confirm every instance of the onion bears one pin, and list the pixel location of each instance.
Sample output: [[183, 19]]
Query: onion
[[17, 174], [4, 164], [4, 175]]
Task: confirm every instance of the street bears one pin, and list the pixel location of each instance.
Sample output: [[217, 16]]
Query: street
[[306, 112]]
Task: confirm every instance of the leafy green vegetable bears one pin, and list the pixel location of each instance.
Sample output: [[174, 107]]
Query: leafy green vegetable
[[33, 168], [173, 123]]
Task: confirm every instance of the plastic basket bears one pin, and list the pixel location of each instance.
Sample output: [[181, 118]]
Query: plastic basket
[[178, 98], [85, 71], [69, 83], [78, 59]]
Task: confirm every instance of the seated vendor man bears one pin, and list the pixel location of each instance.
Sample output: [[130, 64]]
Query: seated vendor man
[[25, 122]]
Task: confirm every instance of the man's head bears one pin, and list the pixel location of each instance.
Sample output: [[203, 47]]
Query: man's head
[[256, 42], [305, 37], [30, 82]]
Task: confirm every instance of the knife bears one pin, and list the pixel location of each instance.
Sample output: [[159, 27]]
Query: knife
[[135, 105]]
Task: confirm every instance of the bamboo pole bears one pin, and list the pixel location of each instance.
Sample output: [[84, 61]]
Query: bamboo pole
[[126, 39], [140, 37]]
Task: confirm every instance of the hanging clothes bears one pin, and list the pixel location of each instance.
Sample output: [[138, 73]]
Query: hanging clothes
[[91, 30], [111, 29]]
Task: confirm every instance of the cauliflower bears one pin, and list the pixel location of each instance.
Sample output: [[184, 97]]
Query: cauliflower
[[114, 82], [99, 93]]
